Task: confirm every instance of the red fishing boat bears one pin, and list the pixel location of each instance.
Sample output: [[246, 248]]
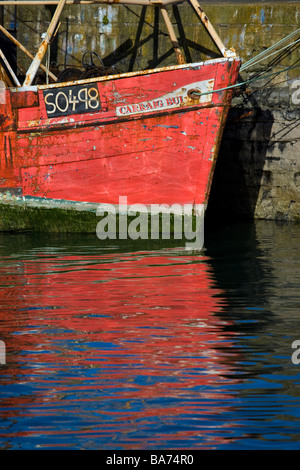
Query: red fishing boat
[[150, 135]]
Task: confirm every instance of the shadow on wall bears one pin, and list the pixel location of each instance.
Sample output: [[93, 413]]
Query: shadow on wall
[[130, 49], [257, 170], [239, 172], [127, 56]]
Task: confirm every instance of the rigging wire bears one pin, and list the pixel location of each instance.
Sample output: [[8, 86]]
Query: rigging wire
[[265, 54], [247, 82], [268, 53]]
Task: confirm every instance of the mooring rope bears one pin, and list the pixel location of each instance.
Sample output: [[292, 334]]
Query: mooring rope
[[247, 82], [268, 53], [247, 65]]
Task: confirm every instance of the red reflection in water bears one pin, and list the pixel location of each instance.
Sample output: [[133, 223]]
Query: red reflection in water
[[125, 316]]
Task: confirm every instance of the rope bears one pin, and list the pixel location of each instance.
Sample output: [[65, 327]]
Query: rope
[[247, 65], [266, 54], [247, 82], [259, 58]]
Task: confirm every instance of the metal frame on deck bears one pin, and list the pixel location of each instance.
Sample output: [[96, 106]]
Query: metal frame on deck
[[162, 4]]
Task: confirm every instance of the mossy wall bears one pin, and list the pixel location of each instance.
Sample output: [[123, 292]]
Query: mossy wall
[[135, 37], [258, 171]]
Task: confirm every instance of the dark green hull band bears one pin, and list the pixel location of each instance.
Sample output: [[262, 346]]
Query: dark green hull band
[[21, 218]]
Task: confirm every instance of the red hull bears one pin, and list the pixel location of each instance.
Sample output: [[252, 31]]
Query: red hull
[[150, 138]]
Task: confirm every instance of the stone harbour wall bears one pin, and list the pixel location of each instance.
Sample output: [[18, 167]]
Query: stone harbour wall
[[258, 170]]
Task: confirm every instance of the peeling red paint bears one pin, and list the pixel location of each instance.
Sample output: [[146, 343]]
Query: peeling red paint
[[24, 99], [158, 155]]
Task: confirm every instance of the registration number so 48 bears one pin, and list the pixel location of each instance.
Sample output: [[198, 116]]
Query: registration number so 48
[[76, 99]]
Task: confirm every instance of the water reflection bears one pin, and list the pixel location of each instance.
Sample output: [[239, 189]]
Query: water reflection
[[136, 347]]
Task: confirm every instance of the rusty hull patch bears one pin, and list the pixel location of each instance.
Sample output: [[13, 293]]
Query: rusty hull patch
[[24, 99]]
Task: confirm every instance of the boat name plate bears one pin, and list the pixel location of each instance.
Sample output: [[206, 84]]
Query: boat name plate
[[77, 99]]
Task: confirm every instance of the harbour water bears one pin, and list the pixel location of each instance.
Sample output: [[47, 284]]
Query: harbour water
[[148, 346]]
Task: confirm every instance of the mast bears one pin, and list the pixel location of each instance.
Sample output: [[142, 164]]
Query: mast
[[15, 41], [12, 73], [37, 60], [179, 55], [211, 30], [35, 64]]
